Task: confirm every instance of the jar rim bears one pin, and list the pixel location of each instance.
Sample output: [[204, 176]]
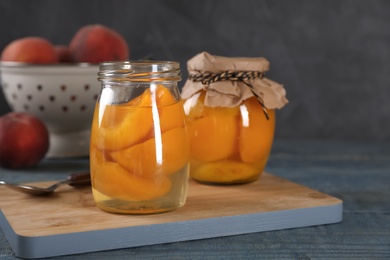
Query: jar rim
[[140, 62], [140, 70], [133, 67]]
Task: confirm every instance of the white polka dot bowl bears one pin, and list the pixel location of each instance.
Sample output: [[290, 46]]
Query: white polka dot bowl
[[63, 96]]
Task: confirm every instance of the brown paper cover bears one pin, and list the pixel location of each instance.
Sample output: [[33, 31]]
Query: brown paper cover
[[232, 93]]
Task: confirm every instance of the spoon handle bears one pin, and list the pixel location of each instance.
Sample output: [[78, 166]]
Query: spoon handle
[[80, 179]]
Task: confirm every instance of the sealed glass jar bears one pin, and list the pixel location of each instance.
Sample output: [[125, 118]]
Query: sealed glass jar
[[139, 152], [230, 115]]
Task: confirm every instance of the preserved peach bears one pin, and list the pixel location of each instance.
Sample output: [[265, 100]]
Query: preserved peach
[[228, 144], [196, 108], [156, 156], [171, 116], [116, 120], [256, 135], [163, 95], [212, 138], [225, 172], [124, 184]]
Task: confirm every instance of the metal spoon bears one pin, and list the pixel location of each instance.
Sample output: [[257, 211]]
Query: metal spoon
[[75, 179]]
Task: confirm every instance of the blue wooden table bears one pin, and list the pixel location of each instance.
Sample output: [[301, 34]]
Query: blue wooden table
[[356, 172]]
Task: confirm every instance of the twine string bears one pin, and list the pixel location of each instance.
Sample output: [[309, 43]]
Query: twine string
[[242, 76]]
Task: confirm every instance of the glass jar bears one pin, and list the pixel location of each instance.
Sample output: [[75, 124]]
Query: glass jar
[[228, 145], [230, 117], [139, 152]]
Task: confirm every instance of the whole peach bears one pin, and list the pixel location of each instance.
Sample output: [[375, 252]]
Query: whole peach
[[24, 140], [97, 43], [63, 53], [30, 49]]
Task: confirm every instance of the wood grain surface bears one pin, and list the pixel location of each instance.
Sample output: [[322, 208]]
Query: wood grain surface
[[211, 209]]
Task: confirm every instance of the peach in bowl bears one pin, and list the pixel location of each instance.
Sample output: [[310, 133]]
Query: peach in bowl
[[62, 95]]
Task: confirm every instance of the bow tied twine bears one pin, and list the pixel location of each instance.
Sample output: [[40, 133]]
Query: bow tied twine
[[242, 76]]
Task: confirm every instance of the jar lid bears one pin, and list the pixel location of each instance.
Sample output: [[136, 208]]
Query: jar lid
[[229, 81]]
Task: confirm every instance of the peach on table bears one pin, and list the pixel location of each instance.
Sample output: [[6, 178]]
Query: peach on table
[[24, 140]]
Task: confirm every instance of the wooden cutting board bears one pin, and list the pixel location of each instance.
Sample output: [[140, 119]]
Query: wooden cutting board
[[69, 222]]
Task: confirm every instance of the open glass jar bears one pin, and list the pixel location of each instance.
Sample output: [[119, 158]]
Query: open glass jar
[[230, 114], [139, 151]]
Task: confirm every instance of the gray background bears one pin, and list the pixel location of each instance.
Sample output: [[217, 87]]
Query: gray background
[[332, 56]]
